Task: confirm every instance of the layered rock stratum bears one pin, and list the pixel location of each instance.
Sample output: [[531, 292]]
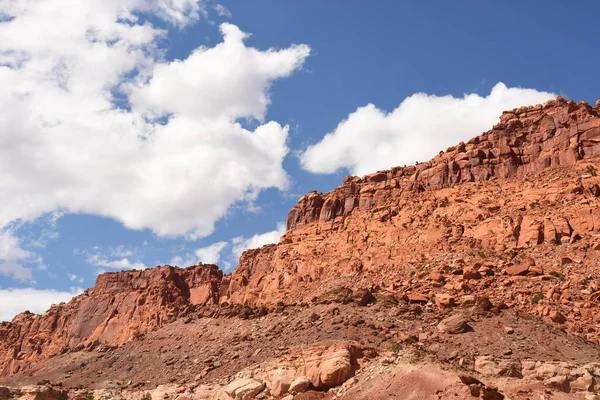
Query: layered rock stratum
[[483, 261]]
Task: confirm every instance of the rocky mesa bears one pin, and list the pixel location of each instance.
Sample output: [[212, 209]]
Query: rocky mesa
[[495, 241]]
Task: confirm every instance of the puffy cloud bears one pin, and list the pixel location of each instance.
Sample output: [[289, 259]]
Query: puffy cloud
[[118, 264], [16, 271], [110, 258], [222, 11], [229, 80], [15, 301], [10, 247], [210, 254], [371, 139], [121, 251], [241, 243], [178, 12], [214, 253], [12, 256], [93, 121], [185, 261]]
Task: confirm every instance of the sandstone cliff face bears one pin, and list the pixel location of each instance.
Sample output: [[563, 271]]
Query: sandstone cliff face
[[526, 140], [458, 225], [380, 222], [120, 307]]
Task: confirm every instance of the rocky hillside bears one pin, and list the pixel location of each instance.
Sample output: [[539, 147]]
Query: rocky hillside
[[495, 241], [119, 308]]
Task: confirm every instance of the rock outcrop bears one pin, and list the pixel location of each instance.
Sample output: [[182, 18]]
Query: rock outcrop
[[527, 139], [122, 306], [510, 217], [476, 194]]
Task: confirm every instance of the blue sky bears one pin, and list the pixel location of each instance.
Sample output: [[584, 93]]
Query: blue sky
[[75, 209]]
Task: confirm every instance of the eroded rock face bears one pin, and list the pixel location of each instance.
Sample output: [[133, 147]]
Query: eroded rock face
[[319, 366], [121, 307], [243, 389], [367, 224], [393, 236], [527, 139]]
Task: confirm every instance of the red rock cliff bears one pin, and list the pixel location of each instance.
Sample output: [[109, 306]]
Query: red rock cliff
[[495, 194], [473, 195], [120, 307], [527, 139]]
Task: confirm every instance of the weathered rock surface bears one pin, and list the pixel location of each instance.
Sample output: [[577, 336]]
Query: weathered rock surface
[[454, 324], [121, 307], [244, 389], [511, 217], [320, 367], [374, 224]]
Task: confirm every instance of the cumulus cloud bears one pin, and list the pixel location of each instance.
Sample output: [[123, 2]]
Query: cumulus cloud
[[15, 301], [118, 264], [184, 261], [229, 80], [210, 254], [10, 247], [227, 254], [121, 251], [241, 243], [371, 139], [93, 120], [12, 257], [16, 271]]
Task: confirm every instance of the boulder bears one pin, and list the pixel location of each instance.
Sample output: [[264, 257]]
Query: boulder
[[362, 297], [279, 380], [520, 269], [299, 385], [557, 317], [469, 380], [334, 370], [417, 298], [443, 300], [485, 365], [454, 324], [243, 389], [584, 383], [482, 304], [49, 393], [491, 393], [471, 273], [5, 393], [560, 382]]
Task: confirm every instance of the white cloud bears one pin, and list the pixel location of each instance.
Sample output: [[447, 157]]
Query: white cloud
[[422, 125], [45, 236], [119, 264], [213, 254], [10, 247], [176, 160], [222, 11], [121, 251], [210, 254], [16, 271], [229, 80], [185, 261], [15, 301], [241, 243], [75, 278], [178, 12], [12, 256]]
